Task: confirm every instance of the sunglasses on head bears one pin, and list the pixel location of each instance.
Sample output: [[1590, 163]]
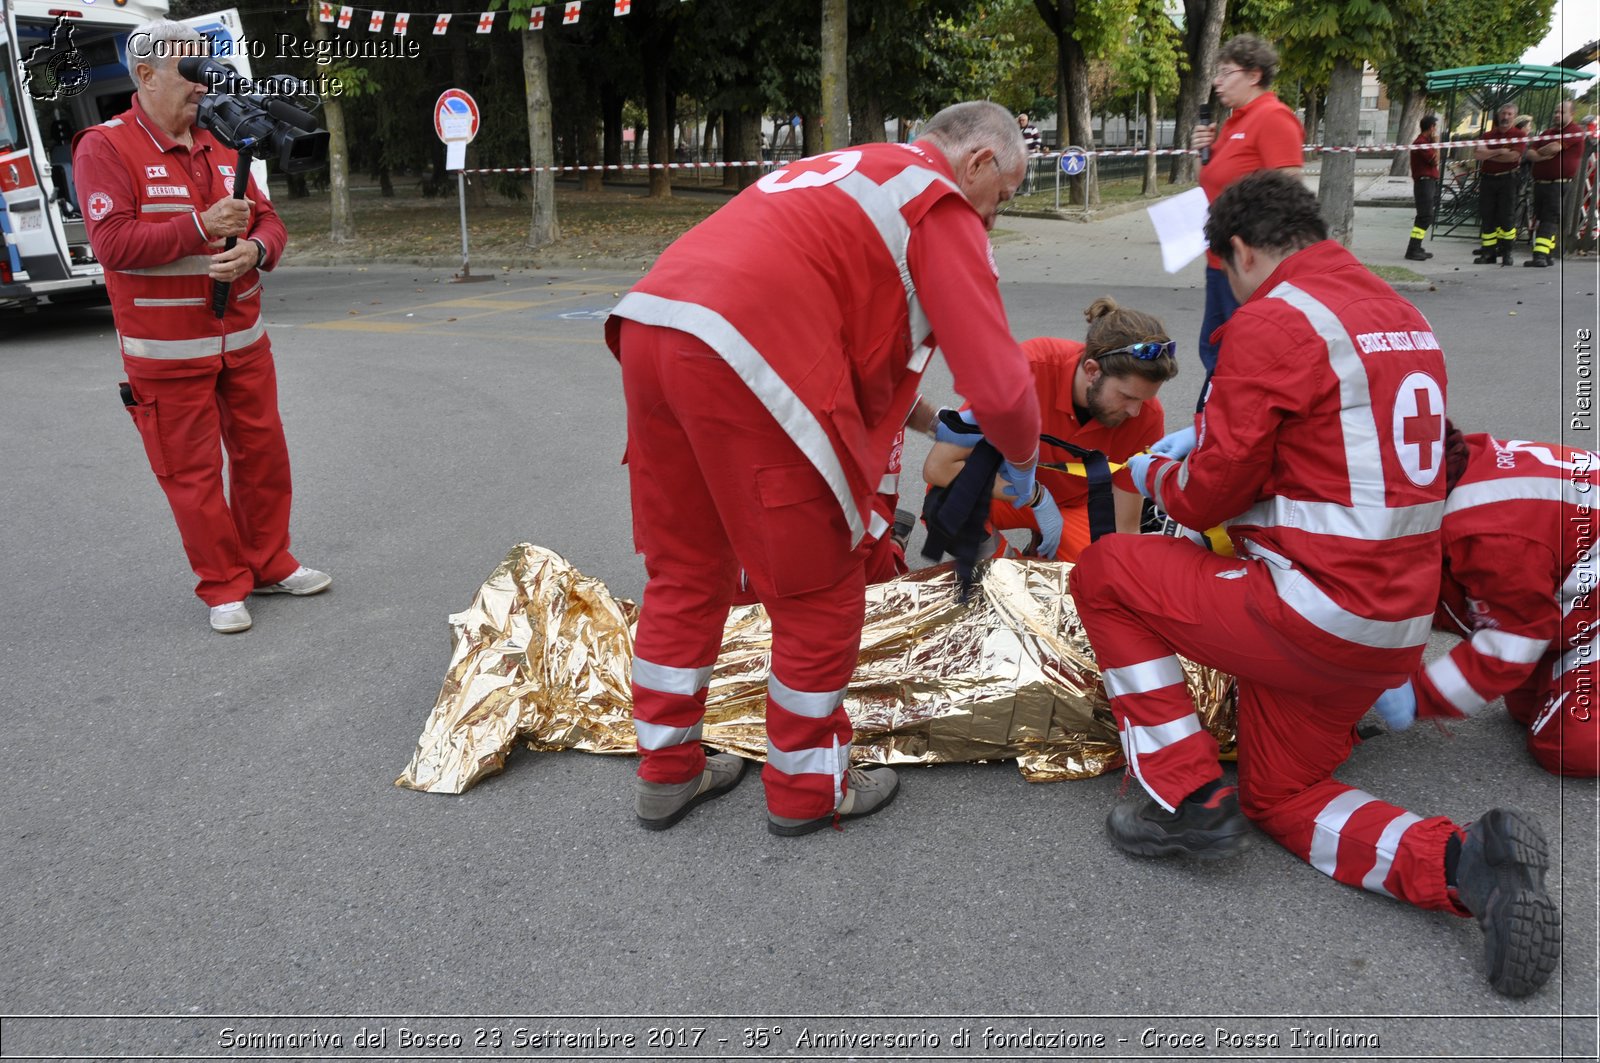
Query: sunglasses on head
[[1146, 352]]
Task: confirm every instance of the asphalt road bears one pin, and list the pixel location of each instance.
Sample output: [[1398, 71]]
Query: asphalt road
[[206, 827]]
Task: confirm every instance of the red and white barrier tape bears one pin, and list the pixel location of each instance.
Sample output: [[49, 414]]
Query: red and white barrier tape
[[1327, 149]]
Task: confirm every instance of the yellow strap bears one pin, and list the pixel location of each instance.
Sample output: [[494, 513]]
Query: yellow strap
[[1075, 468]]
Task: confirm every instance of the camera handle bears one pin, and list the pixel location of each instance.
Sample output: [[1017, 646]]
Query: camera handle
[[241, 184]]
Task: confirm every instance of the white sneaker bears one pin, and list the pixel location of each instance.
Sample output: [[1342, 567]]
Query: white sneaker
[[230, 617], [301, 581]]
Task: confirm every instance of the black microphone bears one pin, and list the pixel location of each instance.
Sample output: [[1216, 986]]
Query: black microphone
[[1205, 119]]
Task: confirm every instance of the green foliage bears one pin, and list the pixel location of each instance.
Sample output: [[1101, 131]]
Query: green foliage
[[1016, 66], [1154, 54], [1459, 33]]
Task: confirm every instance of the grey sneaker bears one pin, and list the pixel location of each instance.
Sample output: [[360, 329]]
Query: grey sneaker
[[300, 582], [867, 791], [1500, 880], [661, 804], [230, 617]]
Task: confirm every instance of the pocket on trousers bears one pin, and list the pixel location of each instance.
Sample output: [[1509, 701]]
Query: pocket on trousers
[[145, 420], [807, 543]]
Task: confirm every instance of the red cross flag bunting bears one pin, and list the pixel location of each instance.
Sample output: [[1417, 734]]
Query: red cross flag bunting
[[325, 11], [375, 23], [622, 8], [401, 20], [574, 8], [536, 19], [345, 15], [441, 23], [486, 22]]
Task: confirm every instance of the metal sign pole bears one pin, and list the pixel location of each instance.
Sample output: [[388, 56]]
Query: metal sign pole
[[461, 194]]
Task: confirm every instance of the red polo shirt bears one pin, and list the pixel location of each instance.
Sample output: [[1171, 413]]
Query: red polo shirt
[[1514, 141], [1425, 163], [1563, 164], [1264, 134]]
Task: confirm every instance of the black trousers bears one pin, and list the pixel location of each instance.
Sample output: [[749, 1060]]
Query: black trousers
[[1425, 190], [1497, 204], [1548, 199]]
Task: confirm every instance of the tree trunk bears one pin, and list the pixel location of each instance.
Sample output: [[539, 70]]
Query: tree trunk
[[1202, 36], [543, 228], [732, 147], [1410, 124], [1336, 186], [709, 142], [660, 123], [341, 229], [835, 75], [1080, 120], [589, 150], [1313, 116], [867, 119], [611, 115], [750, 149], [810, 135], [1151, 114]]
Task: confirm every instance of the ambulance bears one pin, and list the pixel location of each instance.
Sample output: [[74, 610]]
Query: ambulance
[[62, 69]]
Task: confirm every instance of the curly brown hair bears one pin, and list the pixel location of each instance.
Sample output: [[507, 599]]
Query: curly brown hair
[[1112, 326], [1249, 52]]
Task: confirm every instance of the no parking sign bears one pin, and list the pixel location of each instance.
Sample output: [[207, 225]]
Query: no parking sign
[[455, 119]]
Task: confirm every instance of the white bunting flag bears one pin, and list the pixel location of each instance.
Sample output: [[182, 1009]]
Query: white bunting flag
[[325, 11], [574, 8], [401, 20], [375, 23], [486, 22], [536, 19], [440, 24], [345, 15], [622, 8]]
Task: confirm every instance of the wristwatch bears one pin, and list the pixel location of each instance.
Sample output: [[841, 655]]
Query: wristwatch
[[261, 251]]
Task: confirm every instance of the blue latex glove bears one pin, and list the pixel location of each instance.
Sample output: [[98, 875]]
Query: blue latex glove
[[1398, 707], [1021, 480], [1176, 444], [1048, 514], [1139, 469], [943, 433]]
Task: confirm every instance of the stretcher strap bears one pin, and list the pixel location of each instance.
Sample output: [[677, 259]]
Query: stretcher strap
[[1097, 470]]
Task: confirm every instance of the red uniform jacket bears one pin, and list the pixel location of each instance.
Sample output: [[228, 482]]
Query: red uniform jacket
[[1322, 449], [807, 284], [1519, 573]]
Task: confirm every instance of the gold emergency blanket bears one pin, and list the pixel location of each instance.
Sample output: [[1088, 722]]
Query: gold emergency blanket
[[544, 654]]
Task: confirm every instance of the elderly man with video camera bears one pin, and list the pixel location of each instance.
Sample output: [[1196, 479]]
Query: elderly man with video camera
[[155, 193]]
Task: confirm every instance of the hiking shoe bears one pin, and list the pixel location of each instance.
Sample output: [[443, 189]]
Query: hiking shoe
[[904, 522], [1500, 880], [866, 791], [1206, 830], [661, 804], [300, 582], [229, 618]]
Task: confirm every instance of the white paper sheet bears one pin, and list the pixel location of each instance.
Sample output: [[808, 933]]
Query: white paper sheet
[[1180, 223]]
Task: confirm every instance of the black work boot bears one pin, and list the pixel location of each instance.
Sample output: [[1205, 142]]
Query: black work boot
[[1485, 255], [1206, 828], [1500, 880], [1505, 253], [1538, 261], [1415, 253]]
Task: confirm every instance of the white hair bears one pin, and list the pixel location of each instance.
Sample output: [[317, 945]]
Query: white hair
[[152, 43], [963, 128]]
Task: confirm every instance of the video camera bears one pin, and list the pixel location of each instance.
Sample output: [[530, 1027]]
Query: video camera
[[247, 120]]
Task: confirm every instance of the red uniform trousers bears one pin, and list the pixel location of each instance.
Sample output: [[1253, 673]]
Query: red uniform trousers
[[717, 485], [1560, 714], [1144, 599], [241, 541]]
